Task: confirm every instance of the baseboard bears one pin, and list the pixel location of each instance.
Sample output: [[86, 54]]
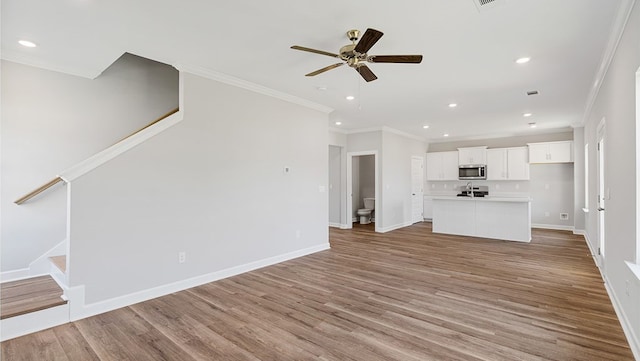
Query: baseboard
[[632, 338], [33, 322], [14, 275], [80, 310], [580, 232], [338, 225], [392, 228], [553, 226]]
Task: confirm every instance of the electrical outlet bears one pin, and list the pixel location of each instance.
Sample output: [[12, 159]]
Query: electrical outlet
[[564, 216], [182, 257]]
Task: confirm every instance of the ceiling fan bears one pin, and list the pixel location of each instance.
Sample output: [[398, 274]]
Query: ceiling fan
[[355, 55]]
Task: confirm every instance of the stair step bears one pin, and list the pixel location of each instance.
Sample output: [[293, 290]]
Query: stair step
[[60, 262], [29, 295]]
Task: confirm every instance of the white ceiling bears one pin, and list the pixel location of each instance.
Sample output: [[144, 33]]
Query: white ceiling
[[468, 54]]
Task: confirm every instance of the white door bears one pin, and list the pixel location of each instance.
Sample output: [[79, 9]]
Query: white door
[[602, 195], [417, 194]]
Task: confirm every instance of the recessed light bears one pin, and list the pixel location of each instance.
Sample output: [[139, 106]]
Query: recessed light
[[526, 115], [532, 125], [523, 60], [425, 126], [338, 123], [27, 43], [350, 97], [445, 134], [452, 105]]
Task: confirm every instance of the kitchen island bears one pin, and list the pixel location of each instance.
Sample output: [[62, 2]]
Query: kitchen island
[[505, 218]]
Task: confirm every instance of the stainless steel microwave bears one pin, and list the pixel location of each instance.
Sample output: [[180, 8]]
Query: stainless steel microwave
[[472, 171]]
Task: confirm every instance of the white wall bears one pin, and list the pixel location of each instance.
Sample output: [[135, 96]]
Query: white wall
[[212, 186], [616, 102], [397, 151], [551, 192], [339, 139], [335, 185], [578, 179], [50, 122]]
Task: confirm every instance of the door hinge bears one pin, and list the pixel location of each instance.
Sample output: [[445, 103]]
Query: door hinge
[[599, 251]]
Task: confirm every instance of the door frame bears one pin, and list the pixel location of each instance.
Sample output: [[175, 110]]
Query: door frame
[[601, 192], [349, 198]]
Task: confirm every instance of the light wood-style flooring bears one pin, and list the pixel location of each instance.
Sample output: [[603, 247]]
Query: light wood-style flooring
[[29, 295], [403, 295]]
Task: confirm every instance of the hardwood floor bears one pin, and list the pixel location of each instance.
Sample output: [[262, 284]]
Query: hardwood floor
[[403, 295], [29, 295]]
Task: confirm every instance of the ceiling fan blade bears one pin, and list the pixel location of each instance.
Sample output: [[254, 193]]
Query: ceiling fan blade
[[366, 73], [326, 68], [297, 47], [370, 37], [415, 59]]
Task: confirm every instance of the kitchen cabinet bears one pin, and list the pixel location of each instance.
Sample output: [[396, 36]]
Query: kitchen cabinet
[[442, 166], [507, 164], [551, 152], [472, 155], [494, 217]]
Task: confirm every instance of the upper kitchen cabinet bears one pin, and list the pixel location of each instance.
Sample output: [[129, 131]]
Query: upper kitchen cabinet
[[507, 164], [442, 166], [472, 155], [551, 152]]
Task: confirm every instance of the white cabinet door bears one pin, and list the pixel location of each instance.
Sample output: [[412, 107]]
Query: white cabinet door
[[450, 165], [442, 166], [496, 164], [472, 155], [434, 166], [517, 163], [551, 152], [538, 153], [560, 152]]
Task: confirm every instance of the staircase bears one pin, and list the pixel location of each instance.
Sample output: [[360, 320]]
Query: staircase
[[35, 303]]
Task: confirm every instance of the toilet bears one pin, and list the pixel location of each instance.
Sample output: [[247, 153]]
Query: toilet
[[365, 213]]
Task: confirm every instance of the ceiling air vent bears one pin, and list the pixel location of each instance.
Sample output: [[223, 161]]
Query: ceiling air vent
[[487, 4], [532, 92]]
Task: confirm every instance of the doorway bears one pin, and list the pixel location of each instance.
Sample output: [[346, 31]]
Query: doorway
[[602, 193], [362, 182]]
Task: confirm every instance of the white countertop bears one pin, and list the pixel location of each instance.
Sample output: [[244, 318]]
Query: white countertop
[[484, 199]]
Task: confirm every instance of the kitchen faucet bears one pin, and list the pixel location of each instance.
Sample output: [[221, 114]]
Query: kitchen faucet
[[470, 189]]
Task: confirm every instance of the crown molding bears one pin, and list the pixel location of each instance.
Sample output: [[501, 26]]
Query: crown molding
[[240, 83], [21, 58], [337, 130], [617, 30]]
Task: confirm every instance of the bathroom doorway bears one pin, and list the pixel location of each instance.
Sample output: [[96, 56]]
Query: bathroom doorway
[[362, 182]]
